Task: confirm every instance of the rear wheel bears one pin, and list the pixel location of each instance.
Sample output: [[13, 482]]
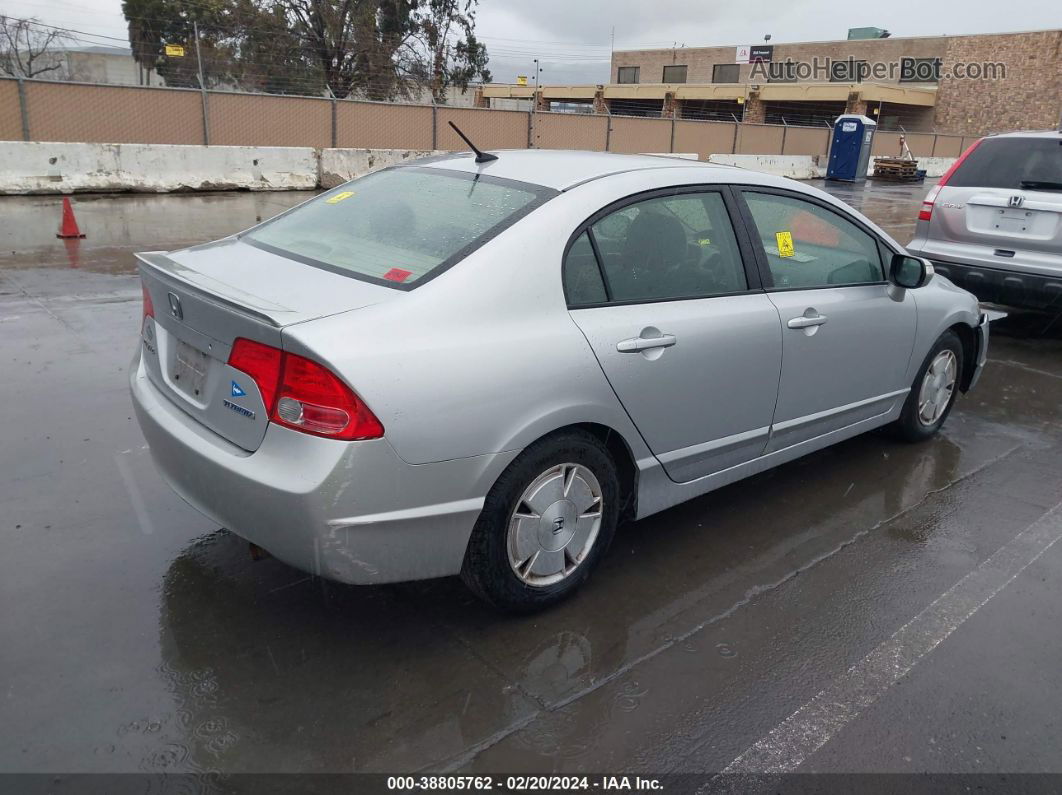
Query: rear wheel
[[546, 523], [933, 393]]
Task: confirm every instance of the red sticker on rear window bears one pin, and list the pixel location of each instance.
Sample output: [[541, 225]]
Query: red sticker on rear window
[[397, 275]]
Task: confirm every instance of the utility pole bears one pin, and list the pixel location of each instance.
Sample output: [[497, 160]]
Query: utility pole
[[202, 86]]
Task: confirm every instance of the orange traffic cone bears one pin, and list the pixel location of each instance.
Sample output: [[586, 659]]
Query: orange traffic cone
[[68, 227]]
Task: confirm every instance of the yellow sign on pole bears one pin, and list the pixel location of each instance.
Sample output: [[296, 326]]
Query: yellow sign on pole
[[785, 244], [521, 80], [175, 50]]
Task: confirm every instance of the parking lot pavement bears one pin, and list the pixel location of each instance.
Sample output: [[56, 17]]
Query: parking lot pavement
[[872, 607]]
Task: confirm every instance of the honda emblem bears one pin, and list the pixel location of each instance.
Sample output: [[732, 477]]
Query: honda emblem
[[1016, 201], [175, 306]]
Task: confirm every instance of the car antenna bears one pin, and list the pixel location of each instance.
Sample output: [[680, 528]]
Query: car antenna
[[481, 157]]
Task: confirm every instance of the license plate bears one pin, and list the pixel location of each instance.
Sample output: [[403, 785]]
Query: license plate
[[190, 369], [1014, 220]]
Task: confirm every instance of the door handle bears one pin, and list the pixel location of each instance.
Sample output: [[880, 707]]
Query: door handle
[[807, 322], [637, 344]]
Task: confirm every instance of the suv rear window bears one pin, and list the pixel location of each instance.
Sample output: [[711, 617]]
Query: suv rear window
[[400, 226], [1009, 162]]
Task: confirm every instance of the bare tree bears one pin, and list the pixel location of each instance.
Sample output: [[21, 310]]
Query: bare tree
[[28, 48]]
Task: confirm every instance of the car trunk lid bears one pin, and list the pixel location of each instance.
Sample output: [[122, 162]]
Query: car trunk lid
[[206, 297]]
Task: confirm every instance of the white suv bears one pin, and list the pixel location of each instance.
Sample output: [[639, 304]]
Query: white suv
[[993, 224]]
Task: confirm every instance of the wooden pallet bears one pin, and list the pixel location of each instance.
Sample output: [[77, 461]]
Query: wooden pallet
[[896, 168]]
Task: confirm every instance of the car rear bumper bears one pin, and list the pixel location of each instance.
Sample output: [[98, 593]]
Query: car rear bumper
[[998, 285], [982, 353], [347, 511]]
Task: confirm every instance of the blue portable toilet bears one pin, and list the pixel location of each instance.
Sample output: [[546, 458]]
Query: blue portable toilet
[[853, 136]]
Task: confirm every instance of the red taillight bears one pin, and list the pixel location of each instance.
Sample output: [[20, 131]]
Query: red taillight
[[926, 213], [263, 363], [299, 393], [927, 204], [149, 308]]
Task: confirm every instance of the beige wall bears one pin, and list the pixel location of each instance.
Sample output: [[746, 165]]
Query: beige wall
[[10, 120], [72, 112], [759, 139], [243, 120], [488, 129], [806, 141], [379, 126], [640, 135], [705, 137], [569, 131], [112, 114]]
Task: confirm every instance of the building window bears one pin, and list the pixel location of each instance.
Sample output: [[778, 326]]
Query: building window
[[627, 74], [674, 74], [920, 70], [726, 73], [848, 71]]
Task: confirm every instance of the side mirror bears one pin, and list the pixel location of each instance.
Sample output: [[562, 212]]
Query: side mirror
[[910, 272]]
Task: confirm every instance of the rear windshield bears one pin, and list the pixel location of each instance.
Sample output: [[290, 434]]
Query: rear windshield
[[1012, 163], [399, 226]]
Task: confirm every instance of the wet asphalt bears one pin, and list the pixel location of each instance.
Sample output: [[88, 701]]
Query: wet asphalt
[[136, 636]]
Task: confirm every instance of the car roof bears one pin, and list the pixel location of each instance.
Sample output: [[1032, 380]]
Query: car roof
[[560, 169], [1030, 134]]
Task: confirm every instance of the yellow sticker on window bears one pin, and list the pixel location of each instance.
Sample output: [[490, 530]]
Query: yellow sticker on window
[[339, 197], [704, 241], [785, 244]]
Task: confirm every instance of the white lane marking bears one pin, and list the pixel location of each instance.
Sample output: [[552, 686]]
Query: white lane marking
[[789, 744]]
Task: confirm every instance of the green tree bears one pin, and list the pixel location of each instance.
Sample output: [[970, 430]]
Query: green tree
[[446, 52], [155, 23], [379, 49]]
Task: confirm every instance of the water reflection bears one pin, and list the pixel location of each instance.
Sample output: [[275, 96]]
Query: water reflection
[[117, 225], [266, 663]]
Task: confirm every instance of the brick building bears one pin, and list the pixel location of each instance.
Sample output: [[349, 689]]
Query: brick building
[[905, 83]]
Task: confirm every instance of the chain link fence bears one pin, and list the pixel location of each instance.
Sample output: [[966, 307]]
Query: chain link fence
[[38, 110]]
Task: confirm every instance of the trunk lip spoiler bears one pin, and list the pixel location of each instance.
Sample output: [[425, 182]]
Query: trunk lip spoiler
[[163, 265]]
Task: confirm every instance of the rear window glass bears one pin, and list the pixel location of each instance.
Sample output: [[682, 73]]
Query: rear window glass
[[1009, 162], [399, 226]]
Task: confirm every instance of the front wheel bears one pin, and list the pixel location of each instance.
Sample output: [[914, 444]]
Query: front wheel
[[933, 393], [545, 524]]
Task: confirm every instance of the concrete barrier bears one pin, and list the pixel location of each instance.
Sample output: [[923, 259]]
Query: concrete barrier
[[341, 165], [813, 166], [31, 167], [42, 168], [793, 166]]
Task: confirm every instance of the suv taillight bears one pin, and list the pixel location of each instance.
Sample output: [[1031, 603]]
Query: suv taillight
[[926, 212], [301, 394]]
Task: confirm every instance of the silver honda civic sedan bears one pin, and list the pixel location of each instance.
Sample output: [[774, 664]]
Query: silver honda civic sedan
[[479, 366]]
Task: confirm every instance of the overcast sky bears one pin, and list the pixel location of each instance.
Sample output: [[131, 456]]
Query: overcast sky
[[572, 37]]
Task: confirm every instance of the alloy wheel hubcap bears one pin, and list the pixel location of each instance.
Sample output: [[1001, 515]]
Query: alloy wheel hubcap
[[938, 385], [555, 524]]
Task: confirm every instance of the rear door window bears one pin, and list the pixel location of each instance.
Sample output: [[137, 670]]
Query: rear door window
[[669, 247], [399, 227], [1012, 164]]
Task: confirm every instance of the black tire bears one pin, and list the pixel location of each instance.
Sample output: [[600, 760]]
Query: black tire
[[487, 570], [909, 427]]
